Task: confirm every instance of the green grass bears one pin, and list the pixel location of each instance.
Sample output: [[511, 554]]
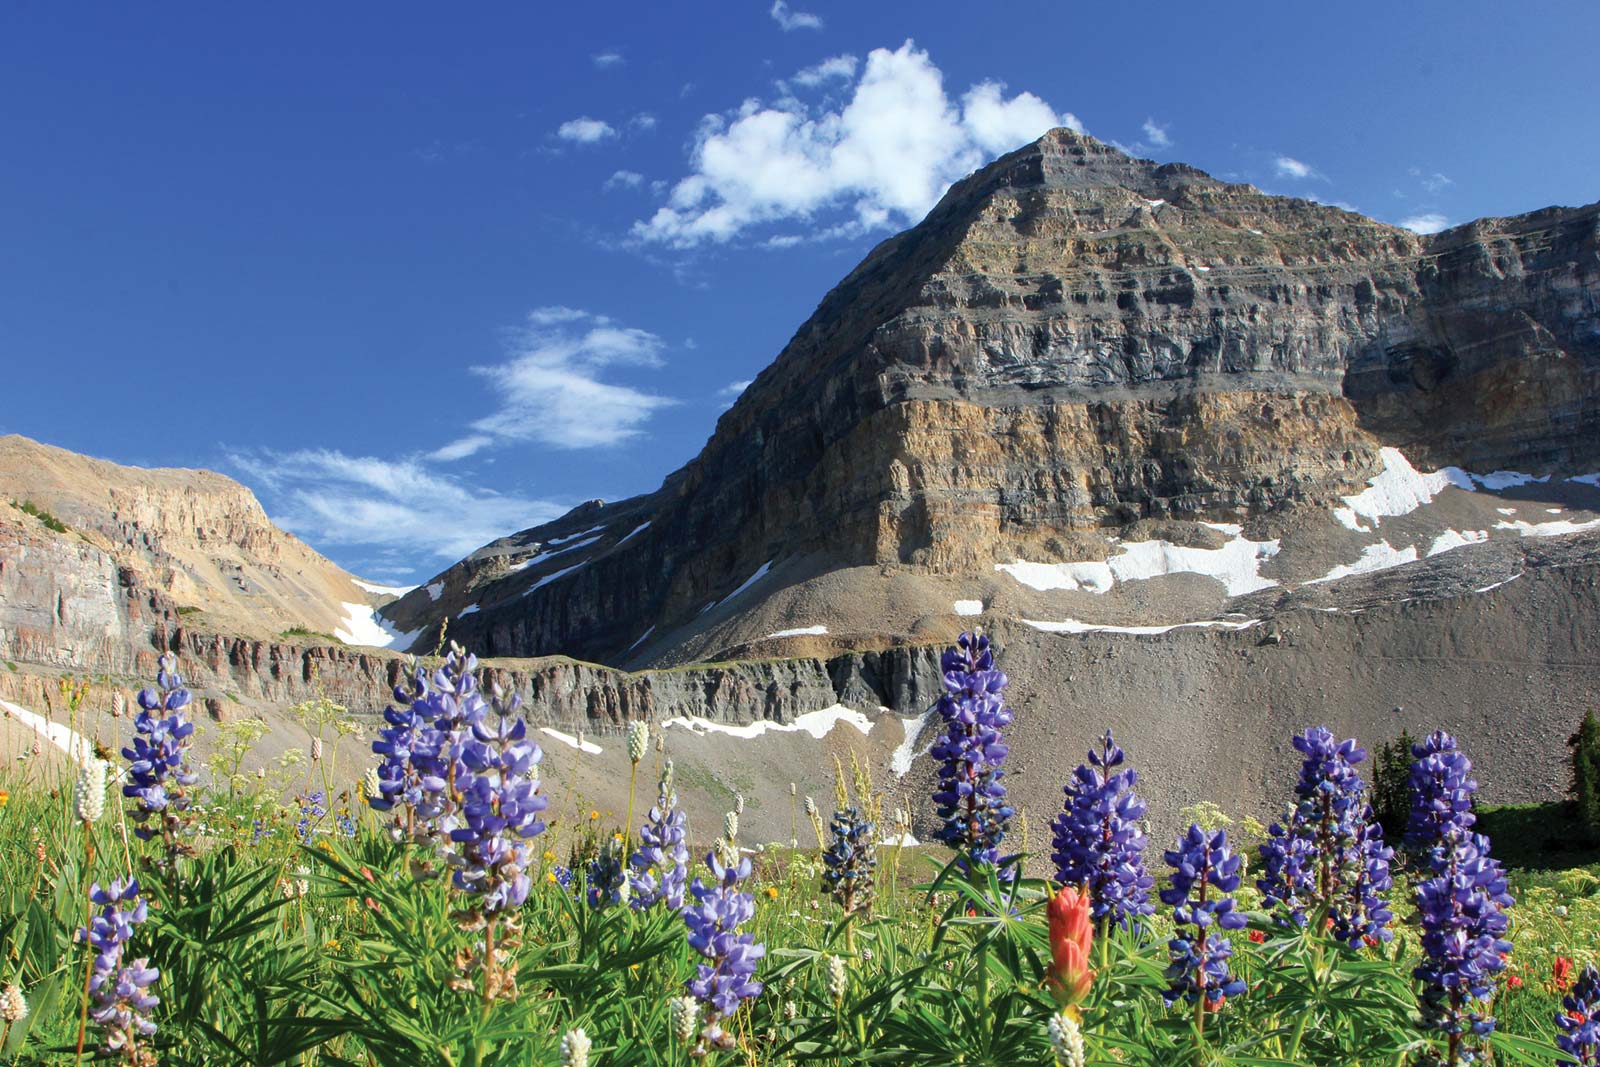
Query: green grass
[[1538, 837], [301, 631]]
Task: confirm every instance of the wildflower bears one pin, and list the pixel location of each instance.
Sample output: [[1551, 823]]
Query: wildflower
[[728, 976], [594, 815], [660, 865], [608, 877], [316, 750], [13, 1005], [5, 797], [1441, 792], [1561, 974], [836, 980], [89, 792], [685, 1012], [730, 825], [120, 1003], [1204, 872], [850, 859], [811, 808], [1071, 937], [970, 799], [312, 808], [1257, 937], [1579, 1022], [119, 705], [638, 740], [575, 1047], [1066, 1039], [771, 892], [158, 777], [1514, 982], [1463, 923], [371, 788], [1328, 856], [1097, 839]]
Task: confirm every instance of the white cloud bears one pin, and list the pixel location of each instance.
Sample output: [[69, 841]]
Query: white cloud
[[1431, 222], [793, 20], [1289, 167], [1433, 183], [1156, 133], [585, 130], [643, 121], [550, 390], [330, 498], [840, 68], [625, 179], [883, 159], [734, 388], [607, 60]]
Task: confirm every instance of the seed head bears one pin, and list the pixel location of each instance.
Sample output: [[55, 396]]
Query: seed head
[[13, 1005], [89, 793], [811, 808], [575, 1046], [685, 1018], [316, 750], [1066, 1038], [738, 805], [730, 826], [838, 981], [638, 740], [119, 705], [369, 784], [792, 789]]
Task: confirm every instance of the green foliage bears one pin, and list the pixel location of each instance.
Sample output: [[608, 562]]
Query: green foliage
[[1391, 786], [1586, 775], [28, 507], [301, 631]]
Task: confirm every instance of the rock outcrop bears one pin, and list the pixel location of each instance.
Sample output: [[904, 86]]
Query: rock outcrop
[[1072, 344]]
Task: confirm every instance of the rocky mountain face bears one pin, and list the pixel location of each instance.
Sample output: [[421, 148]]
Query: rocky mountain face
[[1076, 349]]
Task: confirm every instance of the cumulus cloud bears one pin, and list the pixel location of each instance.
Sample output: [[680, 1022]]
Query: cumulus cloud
[[607, 60], [398, 507], [882, 159], [1430, 222], [625, 179], [1156, 134], [1288, 167], [793, 20], [551, 390], [835, 68], [585, 130]]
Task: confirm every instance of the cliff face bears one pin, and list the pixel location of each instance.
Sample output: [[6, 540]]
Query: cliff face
[[1072, 343]]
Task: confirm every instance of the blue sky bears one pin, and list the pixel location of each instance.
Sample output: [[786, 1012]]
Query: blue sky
[[422, 278]]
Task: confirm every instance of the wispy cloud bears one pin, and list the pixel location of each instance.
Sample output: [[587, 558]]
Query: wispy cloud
[[1156, 134], [793, 20], [551, 390], [884, 158], [403, 512], [607, 60], [1429, 222], [625, 179], [585, 130], [734, 388], [1289, 167], [835, 68], [1433, 182]]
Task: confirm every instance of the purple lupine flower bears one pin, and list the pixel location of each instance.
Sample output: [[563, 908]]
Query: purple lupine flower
[[1204, 872], [158, 776], [313, 806], [608, 877], [398, 779], [728, 976], [120, 1001], [1327, 857], [1463, 927], [1579, 1021], [499, 799], [660, 865], [1097, 839], [449, 703], [970, 798], [1441, 792], [850, 859]]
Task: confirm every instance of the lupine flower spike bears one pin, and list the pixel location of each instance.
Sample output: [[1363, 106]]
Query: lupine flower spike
[[1327, 859], [1066, 1040], [850, 859], [1098, 842], [1204, 874], [120, 1003], [1579, 1022], [970, 799], [727, 978], [158, 776], [660, 865]]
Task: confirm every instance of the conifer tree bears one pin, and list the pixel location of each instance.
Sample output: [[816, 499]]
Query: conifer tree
[[1586, 774], [1391, 785]]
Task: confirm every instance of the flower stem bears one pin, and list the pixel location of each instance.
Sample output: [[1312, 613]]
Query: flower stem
[[88, 967]]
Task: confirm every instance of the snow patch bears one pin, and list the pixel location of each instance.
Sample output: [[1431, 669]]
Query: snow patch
[[642, 638], [76, 746], [906, 754], [1258, 233], [1497, 585], [384, 590], [801, 631], [1232, 529], [636, 530], [1203, 268], [899, 841], [1587, 479], [435, 589], [1236, 565], [815, 723], [1555, 528], [1506, 511], [547, 579], [364, 626], [1378, 557], [542, 556], [1496, 480], [1090, 577], [588, 747], [1154, 203], [470, 609], [1399, 489], [1073, 626], [968, 607], [761, 572], [1452, 539], [574, 537]]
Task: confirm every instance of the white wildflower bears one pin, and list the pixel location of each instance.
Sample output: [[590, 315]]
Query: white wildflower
[[1067, 1039], [89, 793], [638, 740], [13, 1005], [575, 1046], [685, 1018], [837, 980]]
